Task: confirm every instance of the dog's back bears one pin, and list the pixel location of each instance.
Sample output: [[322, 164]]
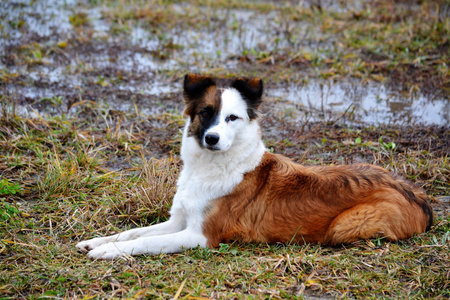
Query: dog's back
[[285, 202]]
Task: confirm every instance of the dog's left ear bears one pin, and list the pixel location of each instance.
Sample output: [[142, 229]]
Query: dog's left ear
[[251, 89]]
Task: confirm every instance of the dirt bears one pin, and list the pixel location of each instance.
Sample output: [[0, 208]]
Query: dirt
[[55, 58], [77, 51]]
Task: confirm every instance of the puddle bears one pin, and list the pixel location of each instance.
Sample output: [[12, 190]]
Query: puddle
[[123, 68], [45, 19], [367, 103]]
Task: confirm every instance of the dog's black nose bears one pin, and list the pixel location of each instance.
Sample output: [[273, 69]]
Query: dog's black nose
[[212, 138]]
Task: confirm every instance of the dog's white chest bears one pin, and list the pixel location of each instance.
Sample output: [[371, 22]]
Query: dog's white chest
[[199, 186]]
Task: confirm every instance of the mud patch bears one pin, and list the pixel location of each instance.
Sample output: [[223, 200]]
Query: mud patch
[[131, 56]]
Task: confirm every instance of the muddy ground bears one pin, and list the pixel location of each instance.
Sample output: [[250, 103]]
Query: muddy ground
[[345, 82], [62, 59], [54, 55], [129, 57]]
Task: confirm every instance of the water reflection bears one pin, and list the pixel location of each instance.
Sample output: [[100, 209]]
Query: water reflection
[[371, 103], [227, 34]]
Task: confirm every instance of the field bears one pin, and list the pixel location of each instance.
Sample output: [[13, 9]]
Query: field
[[90, 131]]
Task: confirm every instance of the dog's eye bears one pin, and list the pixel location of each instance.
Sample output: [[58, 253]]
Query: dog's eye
[[204, 113], [232, 118]]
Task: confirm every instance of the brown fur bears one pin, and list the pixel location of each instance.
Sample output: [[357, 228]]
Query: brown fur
[[285, 202], [196, 87], [211, 99]]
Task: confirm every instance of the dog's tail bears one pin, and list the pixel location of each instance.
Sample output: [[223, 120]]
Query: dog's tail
[[416, 195]]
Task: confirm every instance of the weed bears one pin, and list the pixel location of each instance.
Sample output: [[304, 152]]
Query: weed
[[79, 19], [7, 188], [6, 76], [7, 211]]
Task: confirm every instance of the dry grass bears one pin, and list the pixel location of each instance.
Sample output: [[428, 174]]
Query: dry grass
[[61, 187], [86, 170]]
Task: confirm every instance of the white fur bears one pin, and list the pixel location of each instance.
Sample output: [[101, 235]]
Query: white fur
[[232, 104], [206, 175]]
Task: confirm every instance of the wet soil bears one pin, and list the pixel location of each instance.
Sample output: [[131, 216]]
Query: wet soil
[[126, 55], [103, 77], [85, 59]]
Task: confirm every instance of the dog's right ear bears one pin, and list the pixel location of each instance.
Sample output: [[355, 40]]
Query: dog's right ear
[[195, 86]]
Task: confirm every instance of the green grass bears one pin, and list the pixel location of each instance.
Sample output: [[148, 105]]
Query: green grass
[[94, 171], [59, 187], [404, 42]]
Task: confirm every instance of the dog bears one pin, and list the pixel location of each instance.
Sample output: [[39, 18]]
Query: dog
[[231, 188]]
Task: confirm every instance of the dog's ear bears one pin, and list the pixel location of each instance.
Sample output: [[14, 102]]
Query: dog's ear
[[251, 90], [195, 86]]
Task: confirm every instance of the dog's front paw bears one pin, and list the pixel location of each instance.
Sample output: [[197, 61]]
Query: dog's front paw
[[107, 251], [86, 246]]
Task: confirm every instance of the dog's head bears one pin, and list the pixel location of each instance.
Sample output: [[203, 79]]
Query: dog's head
[[216, 114]]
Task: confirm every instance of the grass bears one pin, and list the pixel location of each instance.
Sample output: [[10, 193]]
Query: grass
[[58, 187], [402, 43], [74, 168]]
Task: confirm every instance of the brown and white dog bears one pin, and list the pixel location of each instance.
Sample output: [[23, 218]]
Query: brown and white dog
[[232, 188]]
